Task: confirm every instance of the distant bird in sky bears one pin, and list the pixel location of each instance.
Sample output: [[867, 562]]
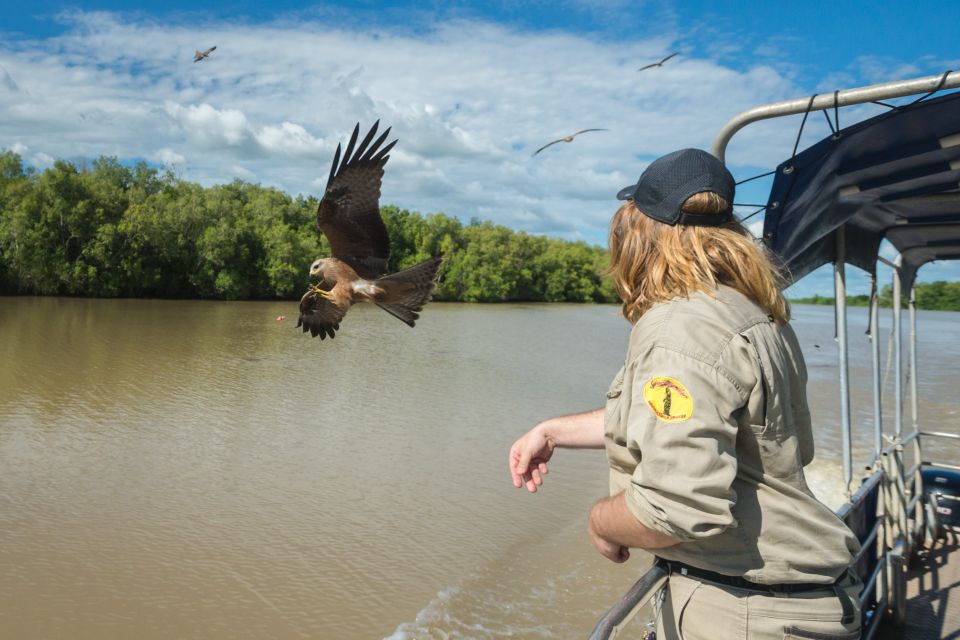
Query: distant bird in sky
[[200, 55], [349, 216], [658, 64], [568, 138]]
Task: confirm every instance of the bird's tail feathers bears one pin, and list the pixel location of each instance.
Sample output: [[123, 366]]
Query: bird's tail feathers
[[406, 315], [405, 292]]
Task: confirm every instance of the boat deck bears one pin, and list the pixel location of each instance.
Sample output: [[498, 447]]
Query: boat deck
[[933, 595]]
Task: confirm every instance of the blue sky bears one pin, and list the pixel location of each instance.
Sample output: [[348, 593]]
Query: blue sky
[[470, 88]]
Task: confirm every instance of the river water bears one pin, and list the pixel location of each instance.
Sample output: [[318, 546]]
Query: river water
[[182, 469]]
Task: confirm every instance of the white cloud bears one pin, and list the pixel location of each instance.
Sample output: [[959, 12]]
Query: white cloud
[[243, 173], [290, 139], [168, 157], [36, 158], [7, 80], [211, 129]]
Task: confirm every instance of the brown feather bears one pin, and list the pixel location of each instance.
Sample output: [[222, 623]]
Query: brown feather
[[349, 212], [320, 316], [406, 292]]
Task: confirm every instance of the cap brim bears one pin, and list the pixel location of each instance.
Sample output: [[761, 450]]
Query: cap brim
[[627, 192]]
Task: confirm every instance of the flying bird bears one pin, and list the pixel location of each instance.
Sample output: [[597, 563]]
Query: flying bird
[[568, 138], [658, 64], [200, 55], [349, 216]]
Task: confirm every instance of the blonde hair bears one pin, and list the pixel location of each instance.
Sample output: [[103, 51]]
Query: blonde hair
[[654, 262]]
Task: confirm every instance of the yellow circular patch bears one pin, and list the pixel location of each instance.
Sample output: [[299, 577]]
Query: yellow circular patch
[[668, 399]]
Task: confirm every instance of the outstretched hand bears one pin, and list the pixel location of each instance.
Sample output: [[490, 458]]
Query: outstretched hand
[[528, 459]]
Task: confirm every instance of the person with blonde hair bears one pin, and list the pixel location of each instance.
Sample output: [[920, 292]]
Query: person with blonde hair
[[706, 426]]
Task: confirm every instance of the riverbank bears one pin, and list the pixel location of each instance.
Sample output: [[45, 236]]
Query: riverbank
[[931, 296]]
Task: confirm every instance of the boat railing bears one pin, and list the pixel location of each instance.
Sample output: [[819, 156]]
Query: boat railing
[[620, 614]]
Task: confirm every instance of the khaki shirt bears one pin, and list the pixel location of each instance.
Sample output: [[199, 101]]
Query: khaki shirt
[[707, 431]]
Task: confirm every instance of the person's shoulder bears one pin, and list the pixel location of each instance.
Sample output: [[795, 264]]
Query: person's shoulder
[[700, 325]]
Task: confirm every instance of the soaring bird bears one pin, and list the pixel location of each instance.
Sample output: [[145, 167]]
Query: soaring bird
[[200, 55], [349, 216], [568, 138], [658, 64]]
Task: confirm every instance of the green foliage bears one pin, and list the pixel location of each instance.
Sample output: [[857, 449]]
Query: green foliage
[[108, 230], [938, 296]]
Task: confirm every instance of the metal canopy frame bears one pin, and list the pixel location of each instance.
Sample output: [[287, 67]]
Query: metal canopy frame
[[847, 97], [901, 521]]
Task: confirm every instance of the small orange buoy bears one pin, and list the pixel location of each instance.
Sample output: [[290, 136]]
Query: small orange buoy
[[281, 318]]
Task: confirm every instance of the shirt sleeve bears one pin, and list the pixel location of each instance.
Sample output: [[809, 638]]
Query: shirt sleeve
[[682, 426]]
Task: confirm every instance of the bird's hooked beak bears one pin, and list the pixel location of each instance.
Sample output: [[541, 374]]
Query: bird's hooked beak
[[316, 269]]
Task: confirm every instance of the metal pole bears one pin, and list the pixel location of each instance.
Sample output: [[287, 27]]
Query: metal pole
[[919, 516], [875, 357], [912, 306], [840, 307], [897, 354], [902, 519], [846, 97]]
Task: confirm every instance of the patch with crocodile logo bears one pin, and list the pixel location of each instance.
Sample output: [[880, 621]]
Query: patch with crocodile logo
[[668, 399]]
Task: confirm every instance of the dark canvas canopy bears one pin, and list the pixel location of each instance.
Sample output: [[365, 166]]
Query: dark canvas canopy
[[895, 176]]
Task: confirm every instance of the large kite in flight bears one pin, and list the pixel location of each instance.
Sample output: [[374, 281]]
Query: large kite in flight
[[349, 216]]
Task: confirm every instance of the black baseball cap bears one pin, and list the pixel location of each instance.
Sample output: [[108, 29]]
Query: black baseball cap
[[667, 183]]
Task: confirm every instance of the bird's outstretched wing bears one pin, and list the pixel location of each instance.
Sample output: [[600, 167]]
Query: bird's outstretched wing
[[319, 315], [349, 212], [200, 55], [547, 145], [657, 64], [566, 139], [669, 56]]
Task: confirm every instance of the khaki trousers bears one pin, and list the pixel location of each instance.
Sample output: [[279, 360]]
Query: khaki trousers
[[693, 609]]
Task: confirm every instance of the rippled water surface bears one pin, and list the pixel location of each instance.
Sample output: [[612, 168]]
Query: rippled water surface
[[202, 470]]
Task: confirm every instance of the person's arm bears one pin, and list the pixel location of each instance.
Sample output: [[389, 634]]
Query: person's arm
[[614, 529], [575, 431], [530, 453]]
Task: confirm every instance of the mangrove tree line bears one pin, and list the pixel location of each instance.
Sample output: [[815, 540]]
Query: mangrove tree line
[[109, 230]]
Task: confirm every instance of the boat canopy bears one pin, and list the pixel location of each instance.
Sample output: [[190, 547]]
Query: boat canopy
[[893, 177]]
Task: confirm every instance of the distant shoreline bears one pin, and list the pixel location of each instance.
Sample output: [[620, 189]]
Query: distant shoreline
[[931, 296]]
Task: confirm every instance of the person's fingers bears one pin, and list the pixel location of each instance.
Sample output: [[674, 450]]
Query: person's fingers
[[513, 460], [524, 460], [531, 485], [535, 474], [543, 468]]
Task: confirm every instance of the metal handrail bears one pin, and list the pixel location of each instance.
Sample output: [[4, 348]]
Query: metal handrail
[[860, 95], [860, 495], [620, 613], [940, 434], [866, 545], [941, 465]]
